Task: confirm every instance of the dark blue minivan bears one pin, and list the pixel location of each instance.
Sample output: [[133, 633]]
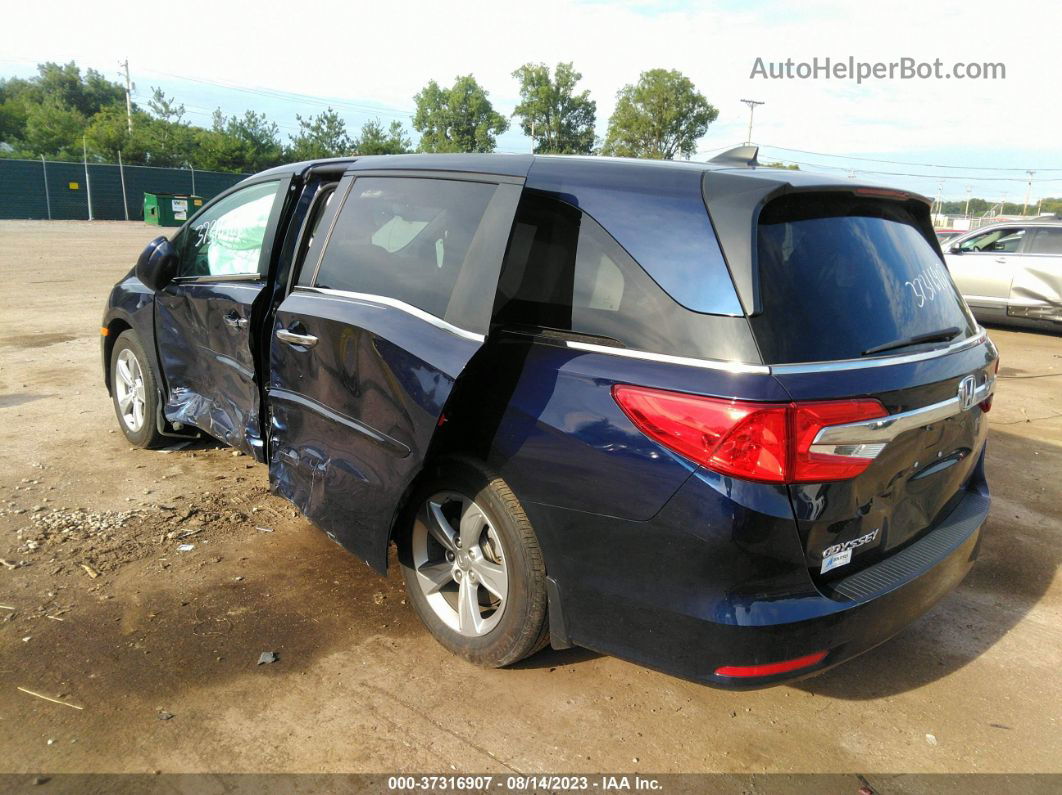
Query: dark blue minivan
[[722, 420]]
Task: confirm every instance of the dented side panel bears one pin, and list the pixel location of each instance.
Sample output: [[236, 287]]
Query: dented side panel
[[203, 343], [353, 416], [1036, 291]]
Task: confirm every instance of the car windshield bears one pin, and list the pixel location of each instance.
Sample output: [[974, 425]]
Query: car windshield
[[840, 276]]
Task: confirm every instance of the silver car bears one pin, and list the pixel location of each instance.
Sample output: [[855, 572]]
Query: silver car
[[1011, 273]]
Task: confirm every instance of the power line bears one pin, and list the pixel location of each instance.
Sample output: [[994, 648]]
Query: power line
[[905, 162], [291, 96], [922, 176]]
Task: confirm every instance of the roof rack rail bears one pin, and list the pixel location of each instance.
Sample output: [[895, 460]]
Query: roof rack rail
[[743, 156]]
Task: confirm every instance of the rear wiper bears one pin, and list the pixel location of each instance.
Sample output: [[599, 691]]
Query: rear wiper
[[944, 335]]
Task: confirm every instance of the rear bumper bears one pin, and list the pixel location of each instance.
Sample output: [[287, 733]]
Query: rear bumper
[[701, 600]]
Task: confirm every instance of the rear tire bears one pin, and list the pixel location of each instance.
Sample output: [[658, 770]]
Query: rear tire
[[472, 566], [134, 392]]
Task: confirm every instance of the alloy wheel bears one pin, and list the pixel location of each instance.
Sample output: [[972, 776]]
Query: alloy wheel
[[459, 562], [130, 390]]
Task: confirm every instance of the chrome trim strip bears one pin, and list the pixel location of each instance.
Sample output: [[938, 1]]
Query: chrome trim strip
[[879, 361], [784, 369], [883, 430], [709, 364], [393, 303]]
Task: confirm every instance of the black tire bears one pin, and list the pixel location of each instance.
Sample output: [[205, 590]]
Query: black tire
[[147, 434], [522, 628]]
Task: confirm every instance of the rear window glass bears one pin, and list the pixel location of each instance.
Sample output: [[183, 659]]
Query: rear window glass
[[840, 276]]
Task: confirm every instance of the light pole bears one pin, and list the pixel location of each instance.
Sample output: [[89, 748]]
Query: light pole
[[969, 190], [1028, 190], [752, 103]]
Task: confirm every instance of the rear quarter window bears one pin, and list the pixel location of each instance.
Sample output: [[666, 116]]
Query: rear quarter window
[[840, 275]]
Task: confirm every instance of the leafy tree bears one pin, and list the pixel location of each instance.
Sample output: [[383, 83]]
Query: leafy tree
[[660, 116], [324, 135], [374, 140], [556, 118], [52, 129], [457, 119], [780, 164], [87, 95], [247, 143], [165, 108]]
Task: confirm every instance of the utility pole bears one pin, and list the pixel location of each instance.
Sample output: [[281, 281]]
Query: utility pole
[[88, 183], [940, 198], [128, 95], [1028, 190], [752, 103], [969, 190]]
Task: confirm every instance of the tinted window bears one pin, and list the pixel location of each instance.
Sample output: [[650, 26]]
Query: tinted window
[[226, 239], [405, 238], [563, 271], [1046, 241], [998, 240], [839, 276]]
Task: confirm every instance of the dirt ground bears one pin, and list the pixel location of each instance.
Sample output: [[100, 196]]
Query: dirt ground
[[157, 647]]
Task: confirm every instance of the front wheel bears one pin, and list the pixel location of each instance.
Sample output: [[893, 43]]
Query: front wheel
[[133, 391], [473, 568]]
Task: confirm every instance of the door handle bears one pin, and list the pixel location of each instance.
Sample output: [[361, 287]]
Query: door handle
[[233, 320], [1001, 260], [290, 337]]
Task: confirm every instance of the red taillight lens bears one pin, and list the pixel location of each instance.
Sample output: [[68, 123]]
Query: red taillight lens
[[767, 442], [808, 420], [770, 669], [737, 438]]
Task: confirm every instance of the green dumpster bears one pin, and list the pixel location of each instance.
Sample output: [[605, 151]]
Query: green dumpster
[[170, 209]]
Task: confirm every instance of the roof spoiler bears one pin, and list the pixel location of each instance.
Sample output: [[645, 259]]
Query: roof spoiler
[[739, 156]]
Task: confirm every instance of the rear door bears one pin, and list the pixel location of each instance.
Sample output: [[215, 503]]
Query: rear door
[[389, 306], [203, 318], [1036, 289], [856, 306]]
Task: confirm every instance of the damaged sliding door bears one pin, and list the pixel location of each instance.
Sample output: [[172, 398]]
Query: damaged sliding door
[[391, 303], [205, 316]]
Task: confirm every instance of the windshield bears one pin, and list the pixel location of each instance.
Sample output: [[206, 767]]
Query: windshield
[[841, 275]]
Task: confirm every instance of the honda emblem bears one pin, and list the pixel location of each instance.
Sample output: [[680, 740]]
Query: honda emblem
[[967, 392]]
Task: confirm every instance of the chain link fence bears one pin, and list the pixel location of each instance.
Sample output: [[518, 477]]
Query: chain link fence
[[40, 189]]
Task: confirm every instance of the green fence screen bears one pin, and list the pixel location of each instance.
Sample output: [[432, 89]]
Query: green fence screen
[[23, 194]]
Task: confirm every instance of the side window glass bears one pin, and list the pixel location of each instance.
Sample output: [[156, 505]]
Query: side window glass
[[1047, 241], [227, 239], [316, 229], [406, 238], [998, 240], [563, 271]]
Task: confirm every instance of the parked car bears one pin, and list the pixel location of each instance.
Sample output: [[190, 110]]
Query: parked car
[[1011, 273], [944, 235], [722, 420]]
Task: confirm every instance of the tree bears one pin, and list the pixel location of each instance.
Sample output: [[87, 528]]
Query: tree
[[53, 129], [661, 116], [457, 119], [780, 164], [165, 108], [374, 140], [324, 135], [247, 143], [556, 119]]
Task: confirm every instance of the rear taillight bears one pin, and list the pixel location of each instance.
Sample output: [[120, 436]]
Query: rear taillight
[[767, 442]]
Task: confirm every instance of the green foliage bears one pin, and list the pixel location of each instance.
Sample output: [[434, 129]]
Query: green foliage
[[53, 128], [660, 116], [558, 120], [780, 164], [374, 140], [457, 119], [323, 135], [246, 143]]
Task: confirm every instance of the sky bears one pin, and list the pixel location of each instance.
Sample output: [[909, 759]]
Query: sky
[[369, 59]]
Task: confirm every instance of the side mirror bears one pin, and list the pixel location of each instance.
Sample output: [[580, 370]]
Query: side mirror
[[157, 265], [955, 248]]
